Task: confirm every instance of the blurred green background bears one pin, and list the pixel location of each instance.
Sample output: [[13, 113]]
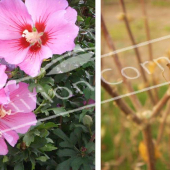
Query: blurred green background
[[121, 138]]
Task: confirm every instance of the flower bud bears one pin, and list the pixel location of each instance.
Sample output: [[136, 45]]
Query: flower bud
[[23, 146], [87, 120], [51, 93]]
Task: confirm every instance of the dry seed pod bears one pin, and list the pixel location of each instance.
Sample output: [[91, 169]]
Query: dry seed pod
[[121, 16], [143, 151], [23, 146]]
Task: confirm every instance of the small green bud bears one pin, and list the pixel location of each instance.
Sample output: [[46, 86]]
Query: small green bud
[[51, 93], [87, 120]]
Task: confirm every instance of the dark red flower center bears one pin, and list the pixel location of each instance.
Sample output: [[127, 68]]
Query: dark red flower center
[[34, 37]]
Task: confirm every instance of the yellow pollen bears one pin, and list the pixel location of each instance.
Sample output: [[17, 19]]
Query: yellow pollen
[[32, 37], [3, 112]]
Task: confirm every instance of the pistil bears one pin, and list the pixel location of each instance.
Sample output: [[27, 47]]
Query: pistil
[[32, 37], [3, 112]]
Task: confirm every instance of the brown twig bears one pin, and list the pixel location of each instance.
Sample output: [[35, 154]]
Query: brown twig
[[115, 57], [149, 44], [61, 120], [92, 138], [121, 104], [147, 28], [160, 105], [163, 123], [147, 135], [136, 50]]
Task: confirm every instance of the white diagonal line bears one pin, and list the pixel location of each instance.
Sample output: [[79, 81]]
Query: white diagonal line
[[135, 46], [84, 107], [105, 101], [48, 118], [135, 92]]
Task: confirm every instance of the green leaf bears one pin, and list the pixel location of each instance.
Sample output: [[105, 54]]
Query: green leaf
[[61, 134], [19, 166], [5, 159], [66, 152], [46, 80], [47, 125], [76, 163], [86, 167], [79, 18], [28, 138], [66, 144], [48, 147], [71, 64], [65, 165], [58, 110], [42, 158], [38, 142], [90, 147]]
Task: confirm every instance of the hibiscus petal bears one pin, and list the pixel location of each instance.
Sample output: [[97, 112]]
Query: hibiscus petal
[[32, 63], [14, 19], [4, 98], [20, 122], [10, 135], [11, 86], [71, 15], [3, 147], [14, 51], [21, 99], [61, 33], [41, 10], [3, 76]]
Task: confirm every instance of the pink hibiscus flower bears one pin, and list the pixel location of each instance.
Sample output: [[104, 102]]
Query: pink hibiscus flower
[[34, 31], [16, 106], [3, 76]]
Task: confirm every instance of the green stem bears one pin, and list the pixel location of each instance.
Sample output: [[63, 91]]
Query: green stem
[[39, 108], [90, 131]]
